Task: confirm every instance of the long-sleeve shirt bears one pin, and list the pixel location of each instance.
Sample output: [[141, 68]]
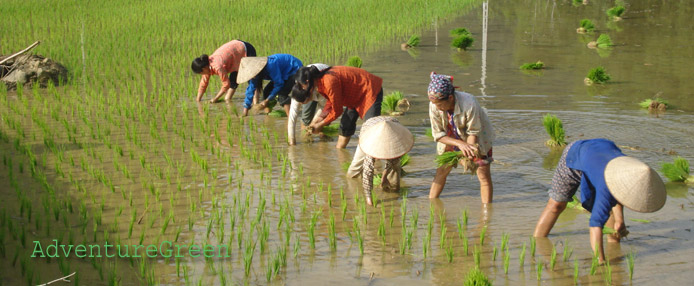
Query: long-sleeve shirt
[[224, 60], [469, 118], [278, 69], [591, 158], [348, 87], [295, 107]]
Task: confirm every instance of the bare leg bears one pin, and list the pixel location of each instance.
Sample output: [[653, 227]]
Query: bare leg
[[549, 217], [484, 174], [286, 109], [439, 181], [342, 142]]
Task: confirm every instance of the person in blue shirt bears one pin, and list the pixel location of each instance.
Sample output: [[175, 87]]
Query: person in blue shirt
[[279, 69], [608, 180]]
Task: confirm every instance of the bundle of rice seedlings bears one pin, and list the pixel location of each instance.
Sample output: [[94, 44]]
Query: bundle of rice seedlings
[[575, 203], [460, 32], [354, 61], [476, 278], [413, 41], [462, 42], [453, 158], [555, 129], [655, 104], [597, 75], [533, 66], [678, 171], [615, 13], [587, 26], [331, 130], [405, 160], [579, 2], [277, 113], [390, 102], [603, 42]]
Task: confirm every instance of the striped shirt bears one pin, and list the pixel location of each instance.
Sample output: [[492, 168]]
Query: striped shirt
[[224, 60]]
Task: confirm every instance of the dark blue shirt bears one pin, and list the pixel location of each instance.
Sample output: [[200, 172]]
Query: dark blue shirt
[[278, 69], [591, 157]]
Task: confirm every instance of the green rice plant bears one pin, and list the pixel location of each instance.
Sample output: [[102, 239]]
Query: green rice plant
[[575, 271], [297, 246], [483, 234], [630, 264], [607, 272], [604, 41], [426, 243], [521, 256], [477, 256], [495, 251], [248, 255], [390, 102], [597, 75], [449, 252], [507, 260], [504, 241], [459, 32], [533, 66], [654, 103], [594, 262], [575, 203], [677, 171], [533, 243], [586, 26], [331, 231], [413, 41], [567, 251], [553, 258], [354, 61], [462, 42], [615, 12], [539, 270], [476, 278], [277, 113], [555, 129], [449, 158]]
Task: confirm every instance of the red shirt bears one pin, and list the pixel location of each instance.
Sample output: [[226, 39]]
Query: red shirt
[[348, 87], [224, 60]]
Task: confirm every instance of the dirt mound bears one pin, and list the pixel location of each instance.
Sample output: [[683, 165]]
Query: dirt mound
[[27, 69]]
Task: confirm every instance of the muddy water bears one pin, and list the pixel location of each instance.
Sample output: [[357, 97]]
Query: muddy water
[[652, 56]]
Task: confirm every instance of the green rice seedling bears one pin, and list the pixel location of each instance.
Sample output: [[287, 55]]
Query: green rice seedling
[[607, 272], [311, 230], [677, 171], [477, 256], [343, 206], [553, 258], [615, 13], [449, 158], [354, 61], [465, 246], [507, 260], [462, 42], [360, 240], [603, 41], [413, 41], [331, 231], [476, 278], [630, 264], [390, 102], [539, 270], [597, 75], [495, 251], [504, 241], [297, 246], [248, 255], [586, 26], [449, 252], [277, 113], [521, 256], [555, 129], [533, 66], [594, 263], [567, 251], [656, 103], [575, 203], [483, 233], [575, 271], [442, 238], [533, 243]]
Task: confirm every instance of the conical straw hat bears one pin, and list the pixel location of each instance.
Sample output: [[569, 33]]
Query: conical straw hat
[[635, 185], [386, 140], [249, 68]]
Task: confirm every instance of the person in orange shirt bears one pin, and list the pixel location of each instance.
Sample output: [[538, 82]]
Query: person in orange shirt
[[352, 88], [224, 62]]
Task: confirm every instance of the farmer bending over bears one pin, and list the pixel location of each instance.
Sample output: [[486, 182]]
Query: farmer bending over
[[310, 112], [279, 69], [458, 123], [608, 180], [224, 60]]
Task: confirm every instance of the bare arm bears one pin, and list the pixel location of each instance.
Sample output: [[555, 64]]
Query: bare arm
[[596, 242], [468, 147]]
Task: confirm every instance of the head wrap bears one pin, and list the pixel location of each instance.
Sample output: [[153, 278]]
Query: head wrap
[[440, 87]]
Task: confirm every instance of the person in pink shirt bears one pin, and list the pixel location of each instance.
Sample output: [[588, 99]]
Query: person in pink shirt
[[224, 62]]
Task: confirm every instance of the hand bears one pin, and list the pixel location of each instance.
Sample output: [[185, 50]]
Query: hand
[[315, 128], [213, 100], [620, 232], [369, 201], [468, 150], [263, 104]]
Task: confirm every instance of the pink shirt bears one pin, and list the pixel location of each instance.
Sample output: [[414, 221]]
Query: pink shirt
[[224, 60]]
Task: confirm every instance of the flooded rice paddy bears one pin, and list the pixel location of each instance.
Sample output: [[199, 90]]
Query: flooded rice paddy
[[196, 174]]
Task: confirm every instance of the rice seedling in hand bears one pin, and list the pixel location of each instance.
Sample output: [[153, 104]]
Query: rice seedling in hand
[[597, 75], [476, 278], [615, 13], [678, 171], [449, 158], [354, 61], [656, 103], [587, 26], [533, 66], [462, 42], [555, 129]]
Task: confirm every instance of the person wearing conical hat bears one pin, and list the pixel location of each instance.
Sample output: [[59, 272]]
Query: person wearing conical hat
[[608, 180], [279, 69], [224, 62], [383, 138], [353, 90], [459, 123]]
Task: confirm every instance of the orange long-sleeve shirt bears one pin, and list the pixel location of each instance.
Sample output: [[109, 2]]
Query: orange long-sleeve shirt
[[348, 87], [224, 60]]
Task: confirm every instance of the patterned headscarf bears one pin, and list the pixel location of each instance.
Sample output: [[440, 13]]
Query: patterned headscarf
[[440, 87]]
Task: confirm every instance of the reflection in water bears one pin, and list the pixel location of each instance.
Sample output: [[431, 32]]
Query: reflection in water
[[552, 159]]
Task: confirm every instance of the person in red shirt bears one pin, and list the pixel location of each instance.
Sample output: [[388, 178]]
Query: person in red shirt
[[352, 88], [224, 62]]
